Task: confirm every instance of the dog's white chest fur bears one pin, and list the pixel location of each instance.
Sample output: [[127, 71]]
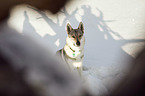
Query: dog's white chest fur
[[75, 54], [77, 64], [76, 57]]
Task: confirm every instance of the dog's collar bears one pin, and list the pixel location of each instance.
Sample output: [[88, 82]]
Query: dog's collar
[[72, 49], [63, 52], [74, 53]]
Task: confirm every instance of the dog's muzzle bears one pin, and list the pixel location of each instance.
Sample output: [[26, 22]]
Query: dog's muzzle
[[78, 43]]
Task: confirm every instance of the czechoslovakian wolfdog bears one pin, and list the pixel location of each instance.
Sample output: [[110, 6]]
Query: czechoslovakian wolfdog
[[73, 52]]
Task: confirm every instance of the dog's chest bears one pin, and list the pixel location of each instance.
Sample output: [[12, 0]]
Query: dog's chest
[[74, 57], [75, 54], [77, 63]]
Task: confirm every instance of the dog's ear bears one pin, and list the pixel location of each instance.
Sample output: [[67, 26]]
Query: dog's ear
[[69, 28], [81, 26]]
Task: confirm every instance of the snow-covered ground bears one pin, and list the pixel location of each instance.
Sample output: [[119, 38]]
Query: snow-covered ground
[[114, 31]]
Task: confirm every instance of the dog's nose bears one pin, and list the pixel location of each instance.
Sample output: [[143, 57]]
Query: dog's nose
[[78, 43]]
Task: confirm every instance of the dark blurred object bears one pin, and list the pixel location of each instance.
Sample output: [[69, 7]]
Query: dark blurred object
[[27, 69], [52, 5], [11, 82], [134, 83]]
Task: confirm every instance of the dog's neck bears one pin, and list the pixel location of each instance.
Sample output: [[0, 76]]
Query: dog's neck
[[74, 51]]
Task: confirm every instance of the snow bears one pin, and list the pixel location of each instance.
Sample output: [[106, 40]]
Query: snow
[[113, 32]]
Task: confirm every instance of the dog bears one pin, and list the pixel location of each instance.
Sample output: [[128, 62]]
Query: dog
[[73, 51]]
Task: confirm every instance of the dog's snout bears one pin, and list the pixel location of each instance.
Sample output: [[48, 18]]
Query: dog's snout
[[78, 43]]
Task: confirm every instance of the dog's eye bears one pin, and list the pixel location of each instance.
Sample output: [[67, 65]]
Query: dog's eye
[[80, 36], [73, 36]]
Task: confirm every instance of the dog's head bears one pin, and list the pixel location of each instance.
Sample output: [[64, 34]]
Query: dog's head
[[75, 34]]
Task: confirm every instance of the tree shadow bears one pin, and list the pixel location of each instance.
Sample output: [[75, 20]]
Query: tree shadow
[[61, 34], [100, 46], [28, 29]]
